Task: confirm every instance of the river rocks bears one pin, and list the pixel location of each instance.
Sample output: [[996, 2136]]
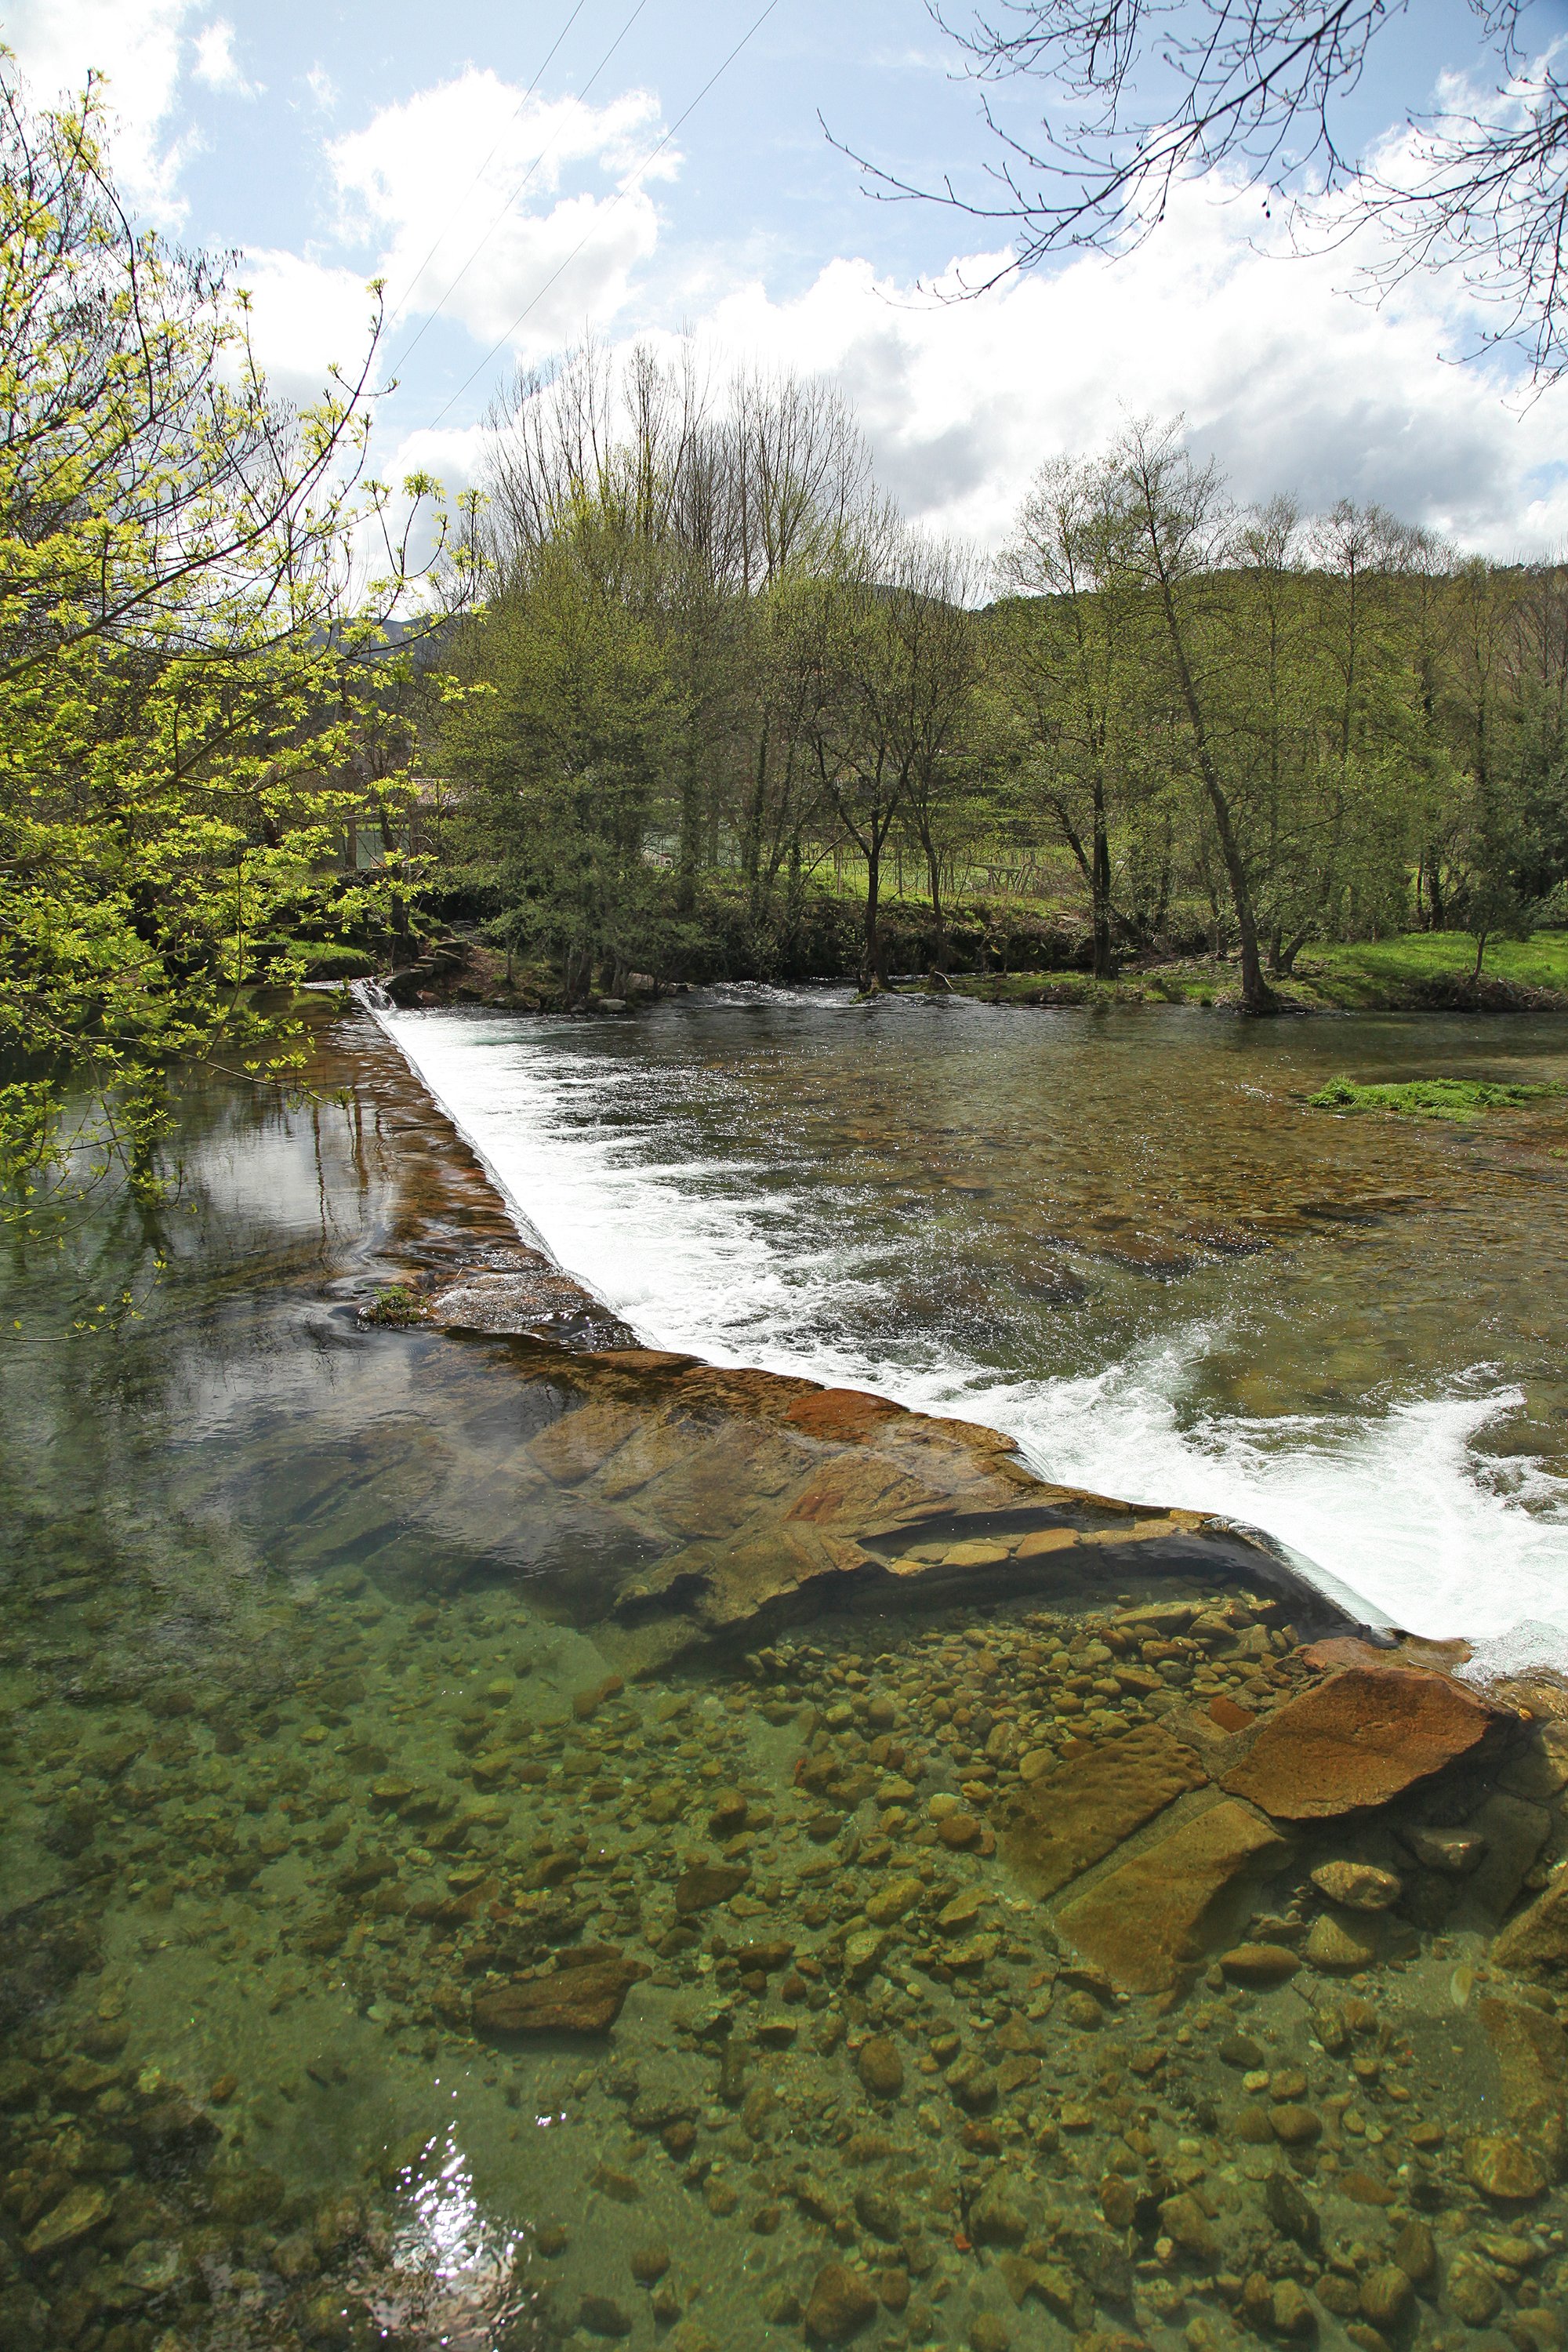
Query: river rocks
[[889, 1901], [997, 2219], [1454, 1852], [1148, 1917], [1471, 2292], [1290, 2211], [1335, 1945], [710, 1883], [1535, 1944], [1387, 2296], [1358, 1886], [879, 2067], [1072, 1818], [1184, 2223], [78, 2212], [841, 2303], [1356, 1740], [583, 1999], [1531, 2052], [1504, 2168], [1259, 1964]]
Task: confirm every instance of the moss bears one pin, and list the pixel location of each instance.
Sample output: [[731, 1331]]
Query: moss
[[1465, 1100], [396, 1306]]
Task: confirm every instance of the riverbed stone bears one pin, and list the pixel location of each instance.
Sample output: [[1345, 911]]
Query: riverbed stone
[[1067, 1819], [1147, 1918], [1535, 1943], [1357, 1740], [1358, 1886], [1504, 2168], [841, 2303], [699, 1888], [78, 2212], [583, 1999], [1531, 2052], [1335, 1945], [879, 2067]]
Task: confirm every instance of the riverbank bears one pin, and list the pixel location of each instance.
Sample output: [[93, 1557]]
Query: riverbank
[[1424, 971], [997, 1918]]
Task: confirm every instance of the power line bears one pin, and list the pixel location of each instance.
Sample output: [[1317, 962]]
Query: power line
[[490, 159], [522, 185], [623, 190]]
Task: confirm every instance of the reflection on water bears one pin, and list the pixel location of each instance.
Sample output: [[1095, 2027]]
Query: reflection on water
[[1122, 1238], [379, 1968]]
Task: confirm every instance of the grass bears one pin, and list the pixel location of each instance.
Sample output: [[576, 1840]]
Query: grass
[[1465, 1100], [1433, 966]]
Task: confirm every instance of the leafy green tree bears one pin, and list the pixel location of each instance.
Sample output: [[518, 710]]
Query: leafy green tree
[[558, 754], [182, 661]]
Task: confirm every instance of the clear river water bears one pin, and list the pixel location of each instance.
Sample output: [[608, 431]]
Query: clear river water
[[1124, 1239], [395, 1956]]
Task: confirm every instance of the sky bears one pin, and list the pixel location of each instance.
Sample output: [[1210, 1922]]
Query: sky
[[523, 172]]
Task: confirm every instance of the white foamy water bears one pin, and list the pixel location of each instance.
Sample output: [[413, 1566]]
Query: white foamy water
[[1391, 1509]]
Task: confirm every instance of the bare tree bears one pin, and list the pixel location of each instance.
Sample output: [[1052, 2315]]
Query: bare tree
[[1140, 94]]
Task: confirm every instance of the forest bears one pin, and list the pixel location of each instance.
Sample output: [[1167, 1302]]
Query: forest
[[714, 685]]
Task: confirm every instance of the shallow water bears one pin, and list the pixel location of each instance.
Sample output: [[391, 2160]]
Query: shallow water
[[310, 1743], [1122, 1238]]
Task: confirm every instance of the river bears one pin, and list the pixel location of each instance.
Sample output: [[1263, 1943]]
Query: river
[[399, 1952], [1123, 1238]]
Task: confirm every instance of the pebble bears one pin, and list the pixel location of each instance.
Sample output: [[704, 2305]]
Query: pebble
[[1330, 1943], [1357, 1885], [841, 2303], [879, 2067], [1259, 1964], [1504, 2168]]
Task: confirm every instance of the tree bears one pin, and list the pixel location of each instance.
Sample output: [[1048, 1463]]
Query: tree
[[183, 655], [557, 755], [1140, 94], [1179, 527], [1069, 663]]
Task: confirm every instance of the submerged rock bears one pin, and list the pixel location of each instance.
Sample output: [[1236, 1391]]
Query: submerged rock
[[1356, 1740], [1074, 1817], [1535, 1944], [1144, 1920], [842, 2302], [583, 1999]]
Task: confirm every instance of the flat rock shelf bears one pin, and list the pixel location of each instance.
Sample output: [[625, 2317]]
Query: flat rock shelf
[[519, 1840]]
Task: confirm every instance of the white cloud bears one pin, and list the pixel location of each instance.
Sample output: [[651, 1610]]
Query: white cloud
[[307, 318], [137, 46], [487, 246], [1281, 376], [216, 64]]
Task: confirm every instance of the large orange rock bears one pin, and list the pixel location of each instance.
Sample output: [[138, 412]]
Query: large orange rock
[[1142, 1923], [844, 1416], [1356, 1740], [1072, 1818]]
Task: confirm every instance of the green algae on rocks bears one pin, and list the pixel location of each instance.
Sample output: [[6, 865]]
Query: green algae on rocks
[[1463, 1099]]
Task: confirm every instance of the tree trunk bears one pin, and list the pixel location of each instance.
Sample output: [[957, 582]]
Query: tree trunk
[[933, 869], [691, 853], [1255, 995], [1481, 939], [871, 976], [1100, 889]]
